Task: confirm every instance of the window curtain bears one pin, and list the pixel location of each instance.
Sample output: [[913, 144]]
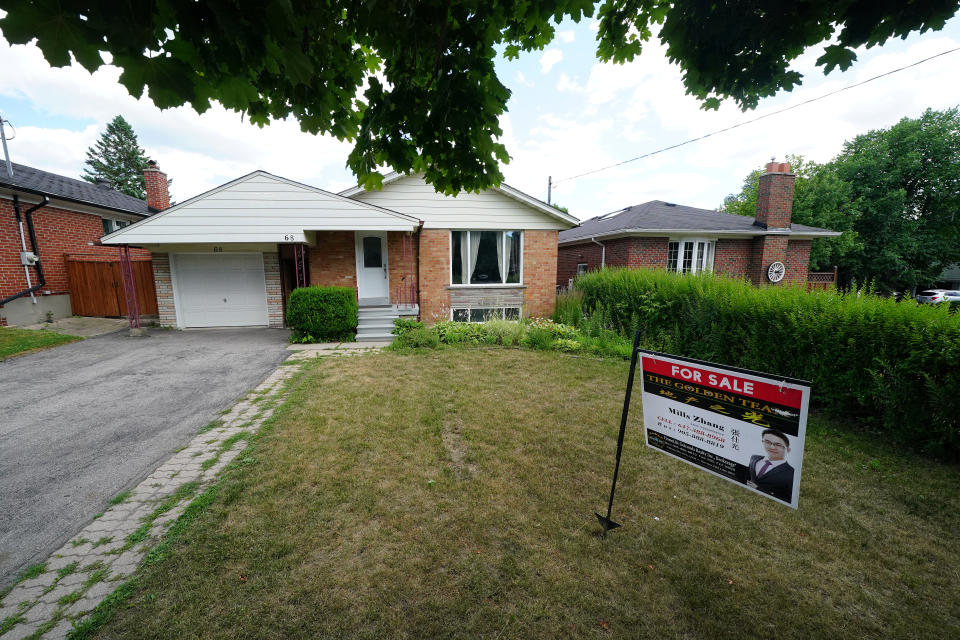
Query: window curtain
[[501, 272], [474, 251], [464, 255]]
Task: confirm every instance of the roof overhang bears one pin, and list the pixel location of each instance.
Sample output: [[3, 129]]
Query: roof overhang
[[505, 189], [718, 233], [33, 196], [173, 226]]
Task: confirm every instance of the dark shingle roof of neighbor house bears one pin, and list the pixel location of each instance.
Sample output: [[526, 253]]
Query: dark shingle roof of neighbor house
[[80, 191], [658, 215]]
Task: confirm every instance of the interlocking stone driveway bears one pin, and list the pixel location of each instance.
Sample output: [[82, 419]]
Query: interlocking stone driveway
[[82, 422]]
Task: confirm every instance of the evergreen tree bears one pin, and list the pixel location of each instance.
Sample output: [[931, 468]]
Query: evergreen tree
[[118, 159]]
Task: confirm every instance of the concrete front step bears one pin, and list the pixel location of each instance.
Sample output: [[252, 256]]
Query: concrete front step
[[375, 337]]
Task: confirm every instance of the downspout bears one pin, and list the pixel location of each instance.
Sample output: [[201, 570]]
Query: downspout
[[23, 242], [36, 250], [603, 252], [419, 309]]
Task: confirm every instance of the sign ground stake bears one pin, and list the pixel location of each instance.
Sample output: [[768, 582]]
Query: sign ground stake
[[605, 521]]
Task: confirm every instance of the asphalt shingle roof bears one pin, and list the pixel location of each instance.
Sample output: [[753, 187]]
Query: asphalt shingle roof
[[80, 191], [658, 215]]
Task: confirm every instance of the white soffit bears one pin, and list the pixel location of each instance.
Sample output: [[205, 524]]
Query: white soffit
[[260, 207]]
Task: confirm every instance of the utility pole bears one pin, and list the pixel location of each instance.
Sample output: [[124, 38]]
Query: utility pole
[[549, 187], [6, 154]]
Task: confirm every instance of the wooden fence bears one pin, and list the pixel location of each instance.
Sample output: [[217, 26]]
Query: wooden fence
[[96, 287]]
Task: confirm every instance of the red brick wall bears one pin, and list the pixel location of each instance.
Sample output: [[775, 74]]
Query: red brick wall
[[60, 233], [621, 252], [733, 257], [155, 183], [539, 272], [569, 256], [402, 264], [767, 249], [435, 275], [333, 262], [798, 261]]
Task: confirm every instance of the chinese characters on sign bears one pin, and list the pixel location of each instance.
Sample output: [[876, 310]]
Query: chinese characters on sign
[[744, 426]]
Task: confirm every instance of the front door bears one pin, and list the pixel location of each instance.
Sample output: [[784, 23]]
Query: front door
[[372, 274]]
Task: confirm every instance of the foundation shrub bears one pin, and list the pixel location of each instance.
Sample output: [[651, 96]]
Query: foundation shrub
[[322, 314], [892, 366]]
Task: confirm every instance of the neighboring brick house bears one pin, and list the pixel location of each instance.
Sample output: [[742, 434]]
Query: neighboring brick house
[[231, 256], [767, 249], [58, 219]]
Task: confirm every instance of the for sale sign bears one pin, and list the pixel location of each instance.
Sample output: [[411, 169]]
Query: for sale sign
[[744, 426]]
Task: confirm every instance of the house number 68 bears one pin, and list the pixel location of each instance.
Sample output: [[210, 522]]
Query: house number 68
[[289, 238]]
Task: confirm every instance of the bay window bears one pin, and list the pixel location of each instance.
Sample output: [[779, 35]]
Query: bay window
[[690, 255], [486, 257]]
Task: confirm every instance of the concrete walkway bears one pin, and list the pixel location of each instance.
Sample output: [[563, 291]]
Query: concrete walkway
[[91, 565], [82, 326]]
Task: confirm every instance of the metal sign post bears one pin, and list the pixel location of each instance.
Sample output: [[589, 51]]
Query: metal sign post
[[605, 521]]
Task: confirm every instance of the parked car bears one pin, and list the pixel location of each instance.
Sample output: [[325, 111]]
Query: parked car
[[936, 296]]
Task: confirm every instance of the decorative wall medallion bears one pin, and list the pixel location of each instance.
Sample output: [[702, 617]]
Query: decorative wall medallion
[[775, 271]]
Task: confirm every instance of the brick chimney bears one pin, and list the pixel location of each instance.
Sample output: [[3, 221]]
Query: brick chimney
[[775, 197], [158, 194]]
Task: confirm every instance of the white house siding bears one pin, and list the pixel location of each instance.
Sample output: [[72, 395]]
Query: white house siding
[[256, 209], [485, 210]]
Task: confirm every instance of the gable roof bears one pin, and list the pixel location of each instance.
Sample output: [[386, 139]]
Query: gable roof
[[504, 189], [259, 207], [661, 218], [43, 183]]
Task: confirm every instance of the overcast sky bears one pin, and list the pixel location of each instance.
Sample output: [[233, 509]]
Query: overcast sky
[[569, 114]]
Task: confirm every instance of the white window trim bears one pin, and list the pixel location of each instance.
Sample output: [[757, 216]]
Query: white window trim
[[506, 257], [712, 247]]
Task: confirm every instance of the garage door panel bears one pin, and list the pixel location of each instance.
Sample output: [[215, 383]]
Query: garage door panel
[[221, 290]]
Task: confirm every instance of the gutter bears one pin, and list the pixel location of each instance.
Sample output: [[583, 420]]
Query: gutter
[[15, 188], [36, 249], [603, 253]]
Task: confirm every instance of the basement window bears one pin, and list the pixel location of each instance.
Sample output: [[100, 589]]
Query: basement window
[[482, 314], [690, 255]]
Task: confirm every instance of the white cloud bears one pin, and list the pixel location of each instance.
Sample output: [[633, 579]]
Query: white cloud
[[522, 80], [566, 83], [198, 151], [550, 58], [567, 36]]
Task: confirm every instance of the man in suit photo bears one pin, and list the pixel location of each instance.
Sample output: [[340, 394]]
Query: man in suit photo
[[771, 473]]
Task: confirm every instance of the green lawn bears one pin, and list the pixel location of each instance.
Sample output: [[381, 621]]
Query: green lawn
[[15, 341], [451, 495]]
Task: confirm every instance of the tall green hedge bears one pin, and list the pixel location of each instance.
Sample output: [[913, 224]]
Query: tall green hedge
[[892, 365], [322, 314]]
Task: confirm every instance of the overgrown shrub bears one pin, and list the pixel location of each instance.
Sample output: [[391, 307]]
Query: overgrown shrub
[[893, 365], [451, 332], [402, 325], [505, 332], [322, 314], [418, 337]]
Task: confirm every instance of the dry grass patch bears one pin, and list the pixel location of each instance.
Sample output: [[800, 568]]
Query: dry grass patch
[[450, 495]]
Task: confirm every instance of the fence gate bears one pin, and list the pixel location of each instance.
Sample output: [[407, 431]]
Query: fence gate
[[96, 287]]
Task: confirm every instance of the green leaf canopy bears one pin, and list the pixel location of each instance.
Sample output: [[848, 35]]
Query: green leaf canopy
[[413, 84]]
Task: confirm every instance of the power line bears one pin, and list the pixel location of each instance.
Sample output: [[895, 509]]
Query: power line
[[772, 113]]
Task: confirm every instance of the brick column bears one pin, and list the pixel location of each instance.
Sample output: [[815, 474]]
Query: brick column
[[271, 274], [164, 287], [539, 273], [435, 275]]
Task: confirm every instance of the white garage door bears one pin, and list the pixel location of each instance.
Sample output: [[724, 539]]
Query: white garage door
[[220, 289]]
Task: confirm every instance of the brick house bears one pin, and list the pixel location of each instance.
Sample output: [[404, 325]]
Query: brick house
[[231, 256], [766, 249], [60, 220]]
